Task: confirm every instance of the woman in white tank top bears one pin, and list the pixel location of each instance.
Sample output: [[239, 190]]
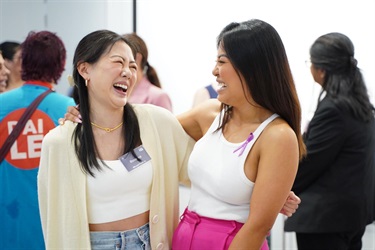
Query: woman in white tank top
[[248, 145]]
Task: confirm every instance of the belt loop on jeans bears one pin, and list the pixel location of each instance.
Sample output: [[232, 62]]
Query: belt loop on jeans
[[141, 231], [183, 214], [234, 227], [191, 217]]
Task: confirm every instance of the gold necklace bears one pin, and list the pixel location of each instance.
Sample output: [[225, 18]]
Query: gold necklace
[[107, 129]]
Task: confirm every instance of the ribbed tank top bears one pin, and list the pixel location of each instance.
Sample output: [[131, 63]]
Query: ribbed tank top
[[219, 186], [115, 193]]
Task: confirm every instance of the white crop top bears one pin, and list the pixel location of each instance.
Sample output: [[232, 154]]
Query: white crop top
[[219, 186], [115, 193]]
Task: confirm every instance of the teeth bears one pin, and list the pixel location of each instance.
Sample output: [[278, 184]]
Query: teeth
[[123, 86]]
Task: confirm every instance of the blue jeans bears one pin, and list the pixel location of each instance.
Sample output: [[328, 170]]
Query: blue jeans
[[134, 239]]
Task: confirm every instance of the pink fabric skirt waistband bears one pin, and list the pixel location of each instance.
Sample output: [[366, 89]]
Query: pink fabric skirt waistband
[[196, 232]]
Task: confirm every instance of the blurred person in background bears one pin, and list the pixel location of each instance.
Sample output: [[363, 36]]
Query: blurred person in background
[[207, 92], [148, 88], [12, 56], [4, 72], [336, 179], [43, 61]]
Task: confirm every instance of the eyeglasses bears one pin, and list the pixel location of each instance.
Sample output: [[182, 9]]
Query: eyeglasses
[[308, 63]]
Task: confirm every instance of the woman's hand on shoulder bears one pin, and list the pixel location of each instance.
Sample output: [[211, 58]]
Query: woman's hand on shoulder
[[72, 114]]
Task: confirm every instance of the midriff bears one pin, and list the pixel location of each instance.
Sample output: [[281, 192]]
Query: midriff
[[122, 225]]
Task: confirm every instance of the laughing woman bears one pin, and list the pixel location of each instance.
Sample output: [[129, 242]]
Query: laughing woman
[[111, 181]]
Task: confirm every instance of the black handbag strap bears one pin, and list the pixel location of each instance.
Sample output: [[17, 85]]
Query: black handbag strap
[[21, 124]]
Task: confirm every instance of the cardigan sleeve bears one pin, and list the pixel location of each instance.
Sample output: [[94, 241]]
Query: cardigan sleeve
[[42, 184], [172, 139], [61, 191]]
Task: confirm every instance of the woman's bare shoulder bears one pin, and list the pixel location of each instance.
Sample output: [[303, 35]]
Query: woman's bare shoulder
[[197, 120], [279, 137]]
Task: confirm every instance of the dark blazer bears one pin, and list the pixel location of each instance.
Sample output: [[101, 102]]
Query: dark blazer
[[336, 179]]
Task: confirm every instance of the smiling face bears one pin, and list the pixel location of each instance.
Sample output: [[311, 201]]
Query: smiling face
[[230, 90], [111, 79]]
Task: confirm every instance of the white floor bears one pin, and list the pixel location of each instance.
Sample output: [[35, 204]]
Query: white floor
[[286, 241]]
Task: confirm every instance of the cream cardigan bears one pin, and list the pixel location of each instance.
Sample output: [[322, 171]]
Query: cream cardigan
[[62, 184]]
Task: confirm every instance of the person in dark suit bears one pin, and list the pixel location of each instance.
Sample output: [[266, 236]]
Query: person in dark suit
[[335, 181]]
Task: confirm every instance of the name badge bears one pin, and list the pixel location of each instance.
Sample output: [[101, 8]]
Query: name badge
[[130, 162]]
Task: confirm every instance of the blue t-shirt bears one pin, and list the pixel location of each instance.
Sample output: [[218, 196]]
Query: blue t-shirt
[[211, 91], [20, 226]]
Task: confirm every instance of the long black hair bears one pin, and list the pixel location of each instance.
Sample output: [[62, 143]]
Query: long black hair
[[343, 81], [90, 49], [257, 53]]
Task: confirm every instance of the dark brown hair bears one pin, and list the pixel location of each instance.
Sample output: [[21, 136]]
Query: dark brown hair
[[138, 45], [43, 57]]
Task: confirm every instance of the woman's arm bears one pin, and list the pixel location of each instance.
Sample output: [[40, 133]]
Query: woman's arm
[[198, 120], [277, 167]]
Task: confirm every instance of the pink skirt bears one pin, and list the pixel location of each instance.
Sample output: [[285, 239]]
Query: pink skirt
[[195, 232]]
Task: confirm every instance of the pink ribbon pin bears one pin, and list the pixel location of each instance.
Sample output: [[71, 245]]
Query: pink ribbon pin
[[243, 146]]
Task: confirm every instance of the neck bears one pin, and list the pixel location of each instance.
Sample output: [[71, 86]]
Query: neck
[[251, 115], [12, 84], [105, 117], [15, 76], [107, 129], [40, 83]]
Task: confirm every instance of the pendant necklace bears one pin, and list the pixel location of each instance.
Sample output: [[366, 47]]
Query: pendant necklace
[[107, 129]]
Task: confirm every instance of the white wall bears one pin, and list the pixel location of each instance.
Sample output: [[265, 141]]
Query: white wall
[[181, 36], [70, 20]]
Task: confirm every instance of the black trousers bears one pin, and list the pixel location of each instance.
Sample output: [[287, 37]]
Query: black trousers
[[330, 241]]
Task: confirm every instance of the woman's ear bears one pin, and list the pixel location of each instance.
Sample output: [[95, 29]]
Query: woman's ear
[[83, 70], [318, 74], [138, 59], [322, 75]]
